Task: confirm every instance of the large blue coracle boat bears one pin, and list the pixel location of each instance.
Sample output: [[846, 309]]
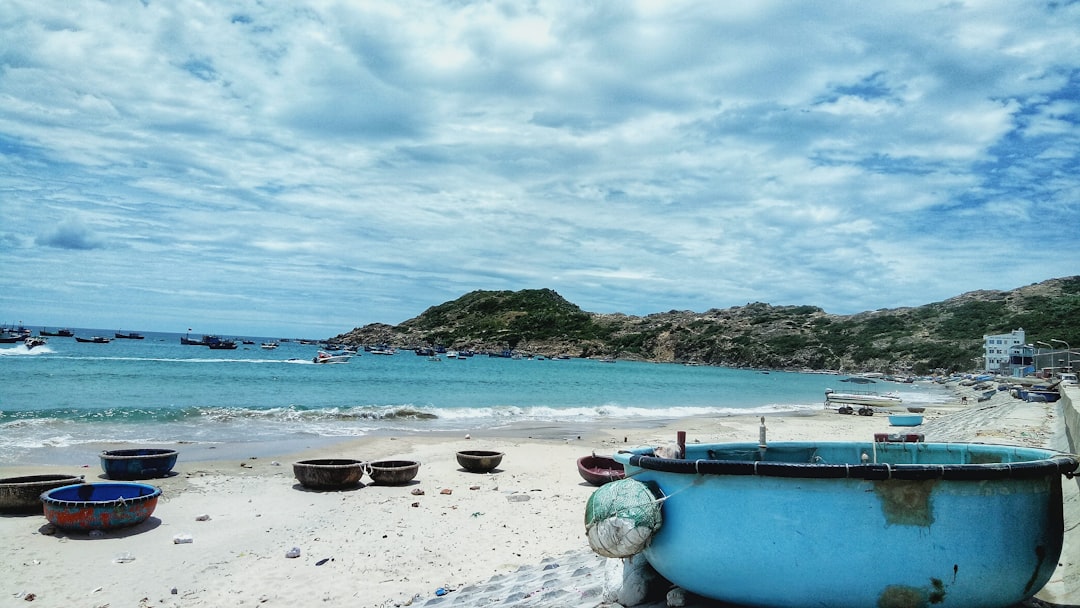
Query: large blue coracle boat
[[852, 524]]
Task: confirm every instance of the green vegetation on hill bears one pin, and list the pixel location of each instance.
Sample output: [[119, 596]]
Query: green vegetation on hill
[[940, 336], [504, 319]]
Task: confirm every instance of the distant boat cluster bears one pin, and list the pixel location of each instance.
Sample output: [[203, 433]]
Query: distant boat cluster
[[331, 352], [16, 334]]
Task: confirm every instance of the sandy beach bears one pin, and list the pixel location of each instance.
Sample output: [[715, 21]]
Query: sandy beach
[[514, 536]]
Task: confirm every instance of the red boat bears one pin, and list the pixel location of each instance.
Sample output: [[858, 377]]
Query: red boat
[[599, 470]]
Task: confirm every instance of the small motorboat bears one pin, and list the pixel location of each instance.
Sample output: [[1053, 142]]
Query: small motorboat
[[94, 340], [324, 357], [34, 341], [753, 524], [598, 470], [268, 345], [868, 398]]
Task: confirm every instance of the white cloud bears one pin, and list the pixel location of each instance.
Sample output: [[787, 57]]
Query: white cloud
[[635, 157]]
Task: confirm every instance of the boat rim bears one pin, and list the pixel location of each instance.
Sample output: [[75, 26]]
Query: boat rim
[[138, 453], [60, 502], [1053, 463]]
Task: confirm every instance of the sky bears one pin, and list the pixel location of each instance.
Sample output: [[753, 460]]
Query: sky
[[304, 168]]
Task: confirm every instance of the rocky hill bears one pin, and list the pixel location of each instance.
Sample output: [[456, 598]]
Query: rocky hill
[[940, 336]]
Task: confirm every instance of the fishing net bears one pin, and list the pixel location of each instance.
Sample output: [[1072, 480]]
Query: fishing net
[[621, 517]]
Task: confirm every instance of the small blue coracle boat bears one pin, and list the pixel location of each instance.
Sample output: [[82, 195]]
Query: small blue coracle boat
[[852, 524], [139, 463], [99, 506], [905, 419]]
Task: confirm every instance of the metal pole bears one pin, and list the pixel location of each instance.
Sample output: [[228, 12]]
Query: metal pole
[[1068, 353], [1051, 351]]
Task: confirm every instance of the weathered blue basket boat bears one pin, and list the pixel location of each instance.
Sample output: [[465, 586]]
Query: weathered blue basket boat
[[140, 463], [99, 506], [854, 524]]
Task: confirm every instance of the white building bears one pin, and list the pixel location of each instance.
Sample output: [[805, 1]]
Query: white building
[[996, 349]]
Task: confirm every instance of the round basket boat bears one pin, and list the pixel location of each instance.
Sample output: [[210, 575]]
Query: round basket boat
[[23, 494], [99, 506], [479, 461], [328, 473], [893, 497], [905, 419], [392, 472], [598, 470], [142, 463]]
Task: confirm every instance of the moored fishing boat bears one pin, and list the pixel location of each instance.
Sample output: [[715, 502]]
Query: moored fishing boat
[[739, 518], [216, 343], [94, 340]]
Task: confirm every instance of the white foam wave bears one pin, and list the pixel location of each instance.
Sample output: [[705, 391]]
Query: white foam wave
[[608, 412], [22, 351]]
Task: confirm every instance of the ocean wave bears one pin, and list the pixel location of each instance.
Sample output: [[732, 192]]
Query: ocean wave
[[406, 413], [22, 351], [155, 359]]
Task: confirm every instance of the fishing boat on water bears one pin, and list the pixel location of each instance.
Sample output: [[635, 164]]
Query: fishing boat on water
[[216, 343], [846, 524], [94, 340]]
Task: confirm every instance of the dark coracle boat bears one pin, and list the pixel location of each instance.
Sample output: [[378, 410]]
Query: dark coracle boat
[[599, 470]]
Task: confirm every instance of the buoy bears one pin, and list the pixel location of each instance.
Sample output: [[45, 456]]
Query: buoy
[[621, 517]]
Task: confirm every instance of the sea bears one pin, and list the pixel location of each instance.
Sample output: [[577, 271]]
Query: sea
[[66, 399]]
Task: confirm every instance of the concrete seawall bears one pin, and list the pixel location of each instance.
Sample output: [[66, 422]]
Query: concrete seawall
[[1064, 588]]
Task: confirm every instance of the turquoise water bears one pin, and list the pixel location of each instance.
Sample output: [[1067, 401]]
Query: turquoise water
[[159, 391]]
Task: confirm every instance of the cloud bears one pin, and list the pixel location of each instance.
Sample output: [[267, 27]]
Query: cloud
[[633, 156], [71, 234]]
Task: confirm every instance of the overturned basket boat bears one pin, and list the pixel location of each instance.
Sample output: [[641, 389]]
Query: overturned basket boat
[[598, 470]]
